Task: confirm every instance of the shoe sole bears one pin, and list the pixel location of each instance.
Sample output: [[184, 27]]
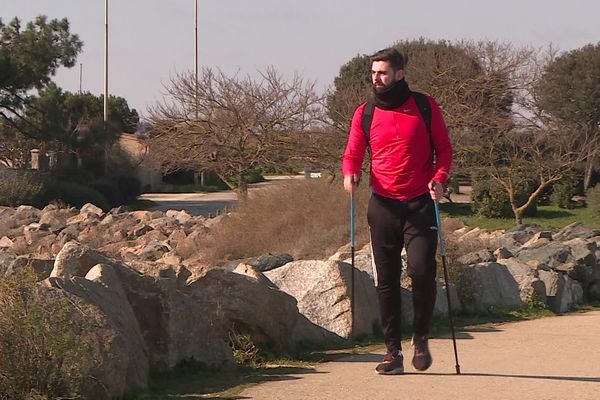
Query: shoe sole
[[397, 371]]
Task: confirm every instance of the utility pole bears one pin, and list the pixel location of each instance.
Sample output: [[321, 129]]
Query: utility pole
[[196, 60], [80, 76], [105, 60], [105, 81], [202, 174]]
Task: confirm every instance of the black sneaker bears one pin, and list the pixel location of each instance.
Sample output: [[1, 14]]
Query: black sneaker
[[391, 365], [422, 358]]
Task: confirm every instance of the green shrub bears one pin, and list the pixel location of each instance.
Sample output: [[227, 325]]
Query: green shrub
[[491, 200], [593, 200], [42, 354], [129, 186], [251, 176], [110, 191], [73, 174], [563, 192], [20, 187], [74, 194]]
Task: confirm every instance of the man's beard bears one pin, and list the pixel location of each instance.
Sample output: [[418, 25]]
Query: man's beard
[[383, 88]]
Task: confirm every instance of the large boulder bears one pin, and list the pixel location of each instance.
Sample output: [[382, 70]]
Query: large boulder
[[107, 354], [575, 230], [562, 292], [476, 257], [527, 277], [323, 291], [441, 300], [552, 254], [102, 288], [492, 285], [236, 303], [171, 331]]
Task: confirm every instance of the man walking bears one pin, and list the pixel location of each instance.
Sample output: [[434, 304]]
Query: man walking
[[401, 213]]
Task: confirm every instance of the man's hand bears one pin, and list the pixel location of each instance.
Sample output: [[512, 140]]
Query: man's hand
[[350, 182], [436, 190]]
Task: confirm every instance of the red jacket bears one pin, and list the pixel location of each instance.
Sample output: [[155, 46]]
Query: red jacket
[[401, 166]]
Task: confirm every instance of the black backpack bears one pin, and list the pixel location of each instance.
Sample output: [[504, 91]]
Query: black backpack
[[424, 108]]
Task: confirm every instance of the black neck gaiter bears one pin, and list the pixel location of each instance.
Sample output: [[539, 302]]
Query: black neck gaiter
[[392, 96]]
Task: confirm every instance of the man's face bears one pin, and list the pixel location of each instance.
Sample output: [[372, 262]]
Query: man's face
[[383, 75]]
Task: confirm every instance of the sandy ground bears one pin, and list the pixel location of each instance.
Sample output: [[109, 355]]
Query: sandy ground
[[544, 359]]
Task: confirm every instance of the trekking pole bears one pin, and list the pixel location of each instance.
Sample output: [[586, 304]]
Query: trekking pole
[[352, 261], [443, 254]]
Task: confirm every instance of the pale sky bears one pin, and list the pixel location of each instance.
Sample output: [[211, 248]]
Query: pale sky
[[151, 40]]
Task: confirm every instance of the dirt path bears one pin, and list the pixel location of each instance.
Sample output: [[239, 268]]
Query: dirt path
[[545, 359]]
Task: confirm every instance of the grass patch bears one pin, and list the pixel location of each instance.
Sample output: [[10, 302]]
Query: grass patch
[[547, 216]]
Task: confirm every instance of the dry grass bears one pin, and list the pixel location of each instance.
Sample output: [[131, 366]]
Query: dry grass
[[42, 353], [308, 219]]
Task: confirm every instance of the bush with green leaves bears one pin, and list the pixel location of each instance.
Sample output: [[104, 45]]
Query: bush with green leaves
[[20, 187], [563, 192], [74, 194], [42, 352], [110, 191], [593, 200], [491, 200], [129, 186]]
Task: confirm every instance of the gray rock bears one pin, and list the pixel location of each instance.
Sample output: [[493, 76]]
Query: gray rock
[[441, 300], [25, 215], [102, 288], [56, 219], [5, 242], [263, 263], [240, 303], [6, 259], [583, 251], [89, 208], [492, 285], [41, 267], [476, 257], [553, 254], [322, 289], [562, 292], [575, 230]]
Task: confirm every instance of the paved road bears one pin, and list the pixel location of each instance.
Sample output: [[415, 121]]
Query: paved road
[[547, 359], [212, 203], [206, 203]]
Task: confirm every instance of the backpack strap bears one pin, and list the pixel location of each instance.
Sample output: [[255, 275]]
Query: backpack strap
[[367, 120], [424, 108]]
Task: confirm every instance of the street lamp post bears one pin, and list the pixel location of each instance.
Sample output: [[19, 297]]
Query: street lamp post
[[105, 60]]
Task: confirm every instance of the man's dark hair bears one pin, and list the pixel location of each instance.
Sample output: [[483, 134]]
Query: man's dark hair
[[390, 55]]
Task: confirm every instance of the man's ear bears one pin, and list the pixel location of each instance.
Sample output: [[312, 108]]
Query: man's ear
[[399, 74]]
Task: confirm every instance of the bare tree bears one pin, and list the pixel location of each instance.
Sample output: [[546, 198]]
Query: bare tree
[[528, 147], [231, 124]]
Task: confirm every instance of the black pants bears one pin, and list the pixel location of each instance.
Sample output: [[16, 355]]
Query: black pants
[[396, 224]]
